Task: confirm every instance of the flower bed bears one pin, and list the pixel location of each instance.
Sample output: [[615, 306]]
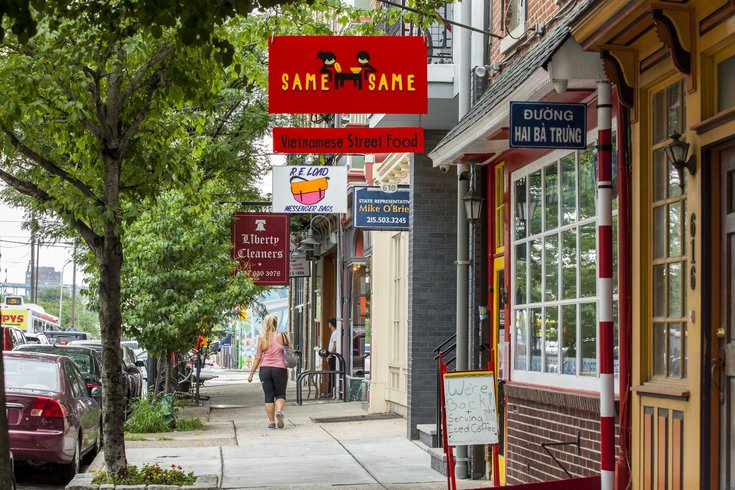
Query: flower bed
[[83, 481]]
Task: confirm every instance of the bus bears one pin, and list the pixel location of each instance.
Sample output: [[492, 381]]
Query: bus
[[28, 317]]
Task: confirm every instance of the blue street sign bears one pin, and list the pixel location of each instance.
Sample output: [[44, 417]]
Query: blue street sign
[[376, 208], [548, 125]]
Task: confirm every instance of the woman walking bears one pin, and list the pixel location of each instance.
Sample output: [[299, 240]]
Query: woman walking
[[273, 372]]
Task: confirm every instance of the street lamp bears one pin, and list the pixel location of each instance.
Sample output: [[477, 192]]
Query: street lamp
[[473, 205], [61, 288]]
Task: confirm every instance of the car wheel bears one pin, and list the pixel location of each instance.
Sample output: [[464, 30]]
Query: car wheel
[[71, 469]]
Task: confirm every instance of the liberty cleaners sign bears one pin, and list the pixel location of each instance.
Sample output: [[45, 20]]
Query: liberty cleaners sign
[[261, 244]]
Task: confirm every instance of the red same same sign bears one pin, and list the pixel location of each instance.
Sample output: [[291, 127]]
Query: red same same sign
[[347, 74]]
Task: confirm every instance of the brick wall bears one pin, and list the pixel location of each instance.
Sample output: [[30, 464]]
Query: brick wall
[[535, 416], [538, 12], [432, 278]]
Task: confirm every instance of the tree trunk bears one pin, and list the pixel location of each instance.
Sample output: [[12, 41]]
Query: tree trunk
[[111, 260]]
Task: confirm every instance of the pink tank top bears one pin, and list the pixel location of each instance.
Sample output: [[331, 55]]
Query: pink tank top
[[273, 355]]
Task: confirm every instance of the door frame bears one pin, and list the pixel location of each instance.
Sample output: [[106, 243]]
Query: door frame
[[710, 221]]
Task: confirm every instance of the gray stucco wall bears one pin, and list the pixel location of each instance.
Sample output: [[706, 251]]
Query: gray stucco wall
[[432, 278]]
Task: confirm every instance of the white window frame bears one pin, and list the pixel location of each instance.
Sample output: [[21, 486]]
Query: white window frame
[[557, 380]]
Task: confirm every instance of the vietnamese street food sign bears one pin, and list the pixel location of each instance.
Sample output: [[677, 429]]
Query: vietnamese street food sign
[[348, 140], [347, 75], [261, 244], [309, 189], [548, 125], [381, 208]]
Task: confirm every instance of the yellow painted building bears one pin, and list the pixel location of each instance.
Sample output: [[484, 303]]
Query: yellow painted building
[[673, 65]]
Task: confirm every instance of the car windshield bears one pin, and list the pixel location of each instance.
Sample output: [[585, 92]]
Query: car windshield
[[82, 359], [30, 374]]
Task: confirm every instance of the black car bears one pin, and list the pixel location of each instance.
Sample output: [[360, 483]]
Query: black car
[[87, 360], [64, 337], [132, 375]]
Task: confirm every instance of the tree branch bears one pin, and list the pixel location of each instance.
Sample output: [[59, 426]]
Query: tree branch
[[141, 115], [135, 82], [32, 190], [49, 166]]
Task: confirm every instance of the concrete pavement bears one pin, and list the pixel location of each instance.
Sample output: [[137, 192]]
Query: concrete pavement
[[324, 444]]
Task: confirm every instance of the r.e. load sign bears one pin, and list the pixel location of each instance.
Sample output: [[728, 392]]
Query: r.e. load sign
[[548, 125]]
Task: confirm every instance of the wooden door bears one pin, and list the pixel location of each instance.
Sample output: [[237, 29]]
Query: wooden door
[[726, 330]]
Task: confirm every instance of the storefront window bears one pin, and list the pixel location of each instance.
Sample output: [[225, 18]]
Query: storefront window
[[554, 255], [669, 260], [359, 335]]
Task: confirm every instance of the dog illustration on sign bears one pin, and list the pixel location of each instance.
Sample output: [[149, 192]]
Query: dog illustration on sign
[[356, 74], [309, 192]]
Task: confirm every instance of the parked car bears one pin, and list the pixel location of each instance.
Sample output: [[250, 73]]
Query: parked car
[[64, 337], [36, 338], [132, 383], [134, 369], [87, 360], [51, 416], [12, 337]]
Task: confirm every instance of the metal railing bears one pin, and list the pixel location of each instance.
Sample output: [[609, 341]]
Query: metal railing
[[438, 36], [441, 351], [315, 379]]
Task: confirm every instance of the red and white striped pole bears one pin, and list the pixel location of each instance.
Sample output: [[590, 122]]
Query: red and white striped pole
[[605, 284]]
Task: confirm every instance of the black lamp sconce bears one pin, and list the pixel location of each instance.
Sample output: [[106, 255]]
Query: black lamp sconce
[[678, 154]]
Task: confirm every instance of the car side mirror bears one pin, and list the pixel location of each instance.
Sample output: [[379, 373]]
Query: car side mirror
[[95, 392], [140, 363]]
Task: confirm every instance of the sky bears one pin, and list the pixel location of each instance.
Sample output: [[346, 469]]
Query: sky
[[15, 250]]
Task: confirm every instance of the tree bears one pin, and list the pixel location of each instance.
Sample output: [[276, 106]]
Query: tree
[[84, 319], [91, 128], [179, 277]]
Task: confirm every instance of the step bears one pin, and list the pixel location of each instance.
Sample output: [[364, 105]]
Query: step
[[438, 458], [427, 434]]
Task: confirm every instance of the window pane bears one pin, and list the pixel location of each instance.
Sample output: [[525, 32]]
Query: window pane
[[616, 340], [535, 191], [659, 232], [675, 290], [569, 264], [673, 180], [684, 351], [521, 264], [586, 184], [500, 228], [521, 208], [615, 172], [674, 101], [568, 190], [660, 177], [659, 291], [675, 349], [535, 323], [675, 230], [589, 339], [551, 340], [535, 271], [615, 254], [551, 201], [659, 116], [569, 339], [725, 83], [551, 265], [521, 353], [659, 349], [587, 260]]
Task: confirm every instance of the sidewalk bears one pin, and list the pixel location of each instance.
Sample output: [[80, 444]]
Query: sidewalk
[[323, 445]]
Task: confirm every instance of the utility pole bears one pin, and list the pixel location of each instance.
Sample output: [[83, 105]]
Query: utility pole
[[33, 265], [74, 287]]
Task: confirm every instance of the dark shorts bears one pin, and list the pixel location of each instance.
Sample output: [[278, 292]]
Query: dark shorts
[[274, 381]]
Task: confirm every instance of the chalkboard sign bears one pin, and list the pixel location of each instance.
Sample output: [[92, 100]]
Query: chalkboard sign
[[469, 401]]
